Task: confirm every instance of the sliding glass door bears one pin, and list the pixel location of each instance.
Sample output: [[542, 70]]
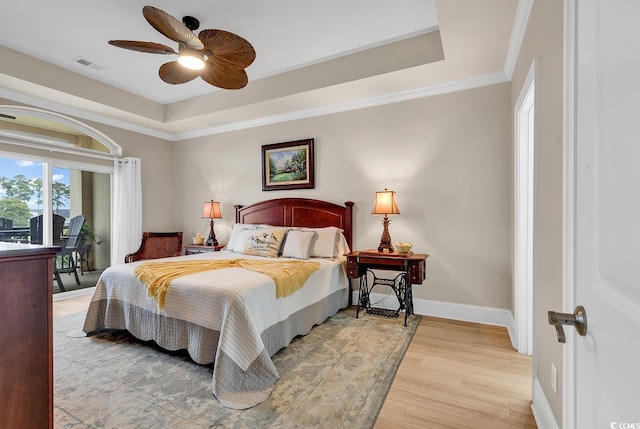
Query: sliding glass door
[[39, 199], [82, 198], [21, 198]]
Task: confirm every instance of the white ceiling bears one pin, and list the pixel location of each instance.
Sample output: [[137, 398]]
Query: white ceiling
[[310, 55]]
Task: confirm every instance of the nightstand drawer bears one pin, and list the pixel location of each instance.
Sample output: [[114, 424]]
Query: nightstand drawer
[[416, 271], [352, 268], [192, 249]]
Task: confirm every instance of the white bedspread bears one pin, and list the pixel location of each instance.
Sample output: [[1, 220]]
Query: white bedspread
[[230, 316]]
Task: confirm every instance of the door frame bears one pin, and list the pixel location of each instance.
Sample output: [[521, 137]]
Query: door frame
[[525, 202], [569, 209]]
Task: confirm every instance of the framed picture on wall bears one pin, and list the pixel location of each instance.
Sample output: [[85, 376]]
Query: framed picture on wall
[[288, 165]]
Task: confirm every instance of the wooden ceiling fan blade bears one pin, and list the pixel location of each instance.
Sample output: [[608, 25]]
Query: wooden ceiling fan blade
[[175, 74], [171, 27], [149, 47], [224, 75], [228, 47]]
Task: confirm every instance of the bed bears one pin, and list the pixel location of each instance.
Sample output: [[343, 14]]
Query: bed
[[230, 316]]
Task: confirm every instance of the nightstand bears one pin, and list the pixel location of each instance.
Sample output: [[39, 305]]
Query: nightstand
[[192, 249], [411, 267]]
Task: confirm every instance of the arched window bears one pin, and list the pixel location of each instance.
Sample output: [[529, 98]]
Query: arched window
[[52, 165], [41, 129]]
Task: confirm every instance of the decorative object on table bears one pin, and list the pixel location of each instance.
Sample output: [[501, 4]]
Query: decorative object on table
[[403, 247], [217, 56], [385, 204], [198, 239], [211, 211], [288, 165]]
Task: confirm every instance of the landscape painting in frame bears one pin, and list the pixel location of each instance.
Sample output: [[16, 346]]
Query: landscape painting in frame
[[287, 165]]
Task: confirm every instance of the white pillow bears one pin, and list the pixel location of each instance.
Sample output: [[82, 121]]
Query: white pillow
[[235, 232], [242, 239], [343, 246], [298, 244], [326, 246]]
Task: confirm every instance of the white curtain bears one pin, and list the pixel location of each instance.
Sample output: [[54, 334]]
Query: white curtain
[[127, 208]]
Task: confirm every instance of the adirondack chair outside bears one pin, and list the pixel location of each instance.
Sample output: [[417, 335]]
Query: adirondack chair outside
[[36, 225], [72, 244]]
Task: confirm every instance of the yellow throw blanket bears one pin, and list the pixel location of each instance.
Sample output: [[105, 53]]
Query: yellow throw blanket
[[289, 276]]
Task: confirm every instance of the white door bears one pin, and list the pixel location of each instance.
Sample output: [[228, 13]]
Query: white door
[[605, 364]]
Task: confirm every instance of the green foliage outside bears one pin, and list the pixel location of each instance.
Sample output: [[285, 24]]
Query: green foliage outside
[[19, 190], [61, 193], [16, 210]]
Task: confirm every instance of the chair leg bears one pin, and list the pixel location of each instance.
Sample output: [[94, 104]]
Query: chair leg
[[74, 268], [79, 262], [59, 280]]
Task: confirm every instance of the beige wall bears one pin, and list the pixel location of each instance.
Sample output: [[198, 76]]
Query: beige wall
[[543, 40], [159, 212], [447, 157]]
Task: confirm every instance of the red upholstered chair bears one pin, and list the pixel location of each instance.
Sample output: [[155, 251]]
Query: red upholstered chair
[[157, 245]]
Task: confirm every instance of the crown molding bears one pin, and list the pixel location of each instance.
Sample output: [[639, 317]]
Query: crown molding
[[42, 103], [429, 91], [517, 35]]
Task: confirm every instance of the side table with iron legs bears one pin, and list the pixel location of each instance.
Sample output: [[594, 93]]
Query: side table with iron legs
[[411, 268]]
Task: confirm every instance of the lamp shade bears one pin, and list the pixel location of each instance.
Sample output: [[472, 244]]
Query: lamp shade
[[385, 203], [211, 210]]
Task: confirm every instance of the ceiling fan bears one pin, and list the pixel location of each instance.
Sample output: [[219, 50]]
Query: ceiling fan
[[217, 56]]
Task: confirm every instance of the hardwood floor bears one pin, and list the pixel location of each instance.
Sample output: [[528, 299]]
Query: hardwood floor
[[71, 305], [459, 375], [454, 375]]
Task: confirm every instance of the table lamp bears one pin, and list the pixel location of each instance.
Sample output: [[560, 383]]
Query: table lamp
[[211, 211], [385, 204]]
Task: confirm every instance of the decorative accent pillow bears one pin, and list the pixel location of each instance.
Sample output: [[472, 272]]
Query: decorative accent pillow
[[265, 242], [241, 239], [326, 246], [235, 232], [298, 244]]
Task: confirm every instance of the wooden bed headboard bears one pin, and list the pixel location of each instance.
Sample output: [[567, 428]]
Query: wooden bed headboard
[[299, 212]]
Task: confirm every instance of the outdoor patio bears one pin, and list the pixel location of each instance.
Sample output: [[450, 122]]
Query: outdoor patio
[[88, 279]]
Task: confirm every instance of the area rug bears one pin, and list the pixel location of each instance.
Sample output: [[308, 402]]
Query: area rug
[[337, 376]]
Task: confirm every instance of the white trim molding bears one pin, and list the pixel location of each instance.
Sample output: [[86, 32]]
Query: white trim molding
[[57, 145], [467, 313], [517, 34], [427, 91], [450, 310], [569, 393], [541, 409], [525, 138]]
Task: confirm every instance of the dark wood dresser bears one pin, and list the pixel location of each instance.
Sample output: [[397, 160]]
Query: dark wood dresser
[[26, 336]]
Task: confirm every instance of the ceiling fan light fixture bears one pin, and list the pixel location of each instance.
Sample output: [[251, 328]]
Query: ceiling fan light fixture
[[225, 70], [191, 59]]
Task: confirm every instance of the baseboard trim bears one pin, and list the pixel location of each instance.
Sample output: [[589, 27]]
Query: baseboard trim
[[541, 409], [465, 312], [451, 310]]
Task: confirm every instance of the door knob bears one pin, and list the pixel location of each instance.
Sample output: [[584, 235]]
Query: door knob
[[577, 319]]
